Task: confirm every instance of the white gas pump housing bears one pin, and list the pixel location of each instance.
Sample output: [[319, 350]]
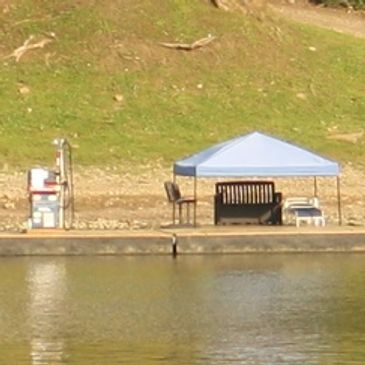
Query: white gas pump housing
[[51, 192]]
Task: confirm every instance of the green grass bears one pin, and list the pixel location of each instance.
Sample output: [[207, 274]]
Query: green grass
[[175, 103]]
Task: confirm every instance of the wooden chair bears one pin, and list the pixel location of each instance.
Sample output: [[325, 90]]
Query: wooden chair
[[174, 196]]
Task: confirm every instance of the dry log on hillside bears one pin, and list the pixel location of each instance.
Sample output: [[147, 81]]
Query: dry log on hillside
[[189, 47], [228, 5], [347, 137], [219, 4], [27, 46]]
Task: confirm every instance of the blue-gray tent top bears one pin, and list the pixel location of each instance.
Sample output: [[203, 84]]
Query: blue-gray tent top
[[255, 154]]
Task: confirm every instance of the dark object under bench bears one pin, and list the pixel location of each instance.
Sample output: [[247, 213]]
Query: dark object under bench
[[247, 202]]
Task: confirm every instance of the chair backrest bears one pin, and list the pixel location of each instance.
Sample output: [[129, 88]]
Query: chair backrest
[[301, 201], [315, 202], [172, 191]]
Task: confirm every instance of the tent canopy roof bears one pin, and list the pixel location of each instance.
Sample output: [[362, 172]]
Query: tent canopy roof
[[255, 154]]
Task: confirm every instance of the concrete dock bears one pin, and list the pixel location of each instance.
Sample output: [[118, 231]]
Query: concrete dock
[[186, 240]]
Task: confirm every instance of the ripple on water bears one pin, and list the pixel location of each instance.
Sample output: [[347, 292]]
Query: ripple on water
[[254, 309]]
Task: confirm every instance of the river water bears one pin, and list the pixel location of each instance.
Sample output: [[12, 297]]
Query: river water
[[249, 309]]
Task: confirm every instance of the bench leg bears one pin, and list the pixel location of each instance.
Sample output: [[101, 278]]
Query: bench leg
[[319, 221], [180, 213], [297, 222]]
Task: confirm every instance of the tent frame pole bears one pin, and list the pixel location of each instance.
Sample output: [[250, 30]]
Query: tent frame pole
[[339, 206], [173, 203], [195, 198], [315, 186]]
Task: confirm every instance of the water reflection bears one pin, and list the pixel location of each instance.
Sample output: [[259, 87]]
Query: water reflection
[[255, 309], [46, 286]]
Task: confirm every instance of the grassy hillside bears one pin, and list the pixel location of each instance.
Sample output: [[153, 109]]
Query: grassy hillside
[[105, 82]]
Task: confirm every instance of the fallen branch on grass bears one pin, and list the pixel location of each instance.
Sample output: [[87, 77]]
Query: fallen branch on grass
[[347, 137], [20, 22], [190, 47], [220, 5], [229, 5], [27, 46]]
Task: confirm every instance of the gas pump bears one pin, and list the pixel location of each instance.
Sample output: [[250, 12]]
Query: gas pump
[[51, 192]]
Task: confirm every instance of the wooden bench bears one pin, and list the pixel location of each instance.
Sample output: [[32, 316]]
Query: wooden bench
[[247, 202]]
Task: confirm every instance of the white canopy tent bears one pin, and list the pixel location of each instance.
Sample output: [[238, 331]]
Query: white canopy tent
[[257, 155]]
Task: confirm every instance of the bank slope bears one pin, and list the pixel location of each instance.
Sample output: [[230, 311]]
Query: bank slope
[[103, 80]]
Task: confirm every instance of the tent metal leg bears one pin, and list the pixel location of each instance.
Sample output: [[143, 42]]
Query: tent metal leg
[[339, 207], [173, 204], [195, 199], [315, 186]]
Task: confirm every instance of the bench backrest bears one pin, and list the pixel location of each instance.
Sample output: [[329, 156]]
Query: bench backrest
[[172, 191], [246, 192]]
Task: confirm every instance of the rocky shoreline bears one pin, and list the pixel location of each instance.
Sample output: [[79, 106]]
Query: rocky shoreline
[[123, 199]]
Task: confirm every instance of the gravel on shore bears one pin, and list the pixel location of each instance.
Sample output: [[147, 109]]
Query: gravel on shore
[[125, 199]]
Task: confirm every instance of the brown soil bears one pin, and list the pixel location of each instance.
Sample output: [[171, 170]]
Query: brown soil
[[340, 20], [116, 199]]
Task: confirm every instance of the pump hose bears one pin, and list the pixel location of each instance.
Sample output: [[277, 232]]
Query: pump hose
[[69, 201]]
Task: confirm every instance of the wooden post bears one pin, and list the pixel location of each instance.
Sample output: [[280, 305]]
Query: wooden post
[[174, 245], [339, 202]]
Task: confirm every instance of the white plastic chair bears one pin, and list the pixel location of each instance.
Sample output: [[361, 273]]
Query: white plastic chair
[[297, 210]]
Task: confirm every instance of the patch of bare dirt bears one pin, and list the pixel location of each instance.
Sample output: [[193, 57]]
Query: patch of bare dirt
[[340, 20]]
